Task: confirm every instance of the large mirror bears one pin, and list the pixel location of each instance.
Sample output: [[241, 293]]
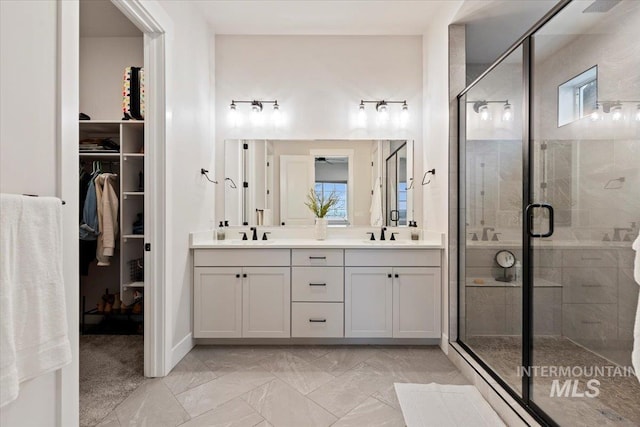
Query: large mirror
[[267, 181]]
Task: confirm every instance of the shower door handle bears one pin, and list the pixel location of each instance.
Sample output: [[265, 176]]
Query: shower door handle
[[529, 219]]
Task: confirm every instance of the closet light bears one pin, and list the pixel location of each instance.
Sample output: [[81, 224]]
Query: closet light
[[507, 114]]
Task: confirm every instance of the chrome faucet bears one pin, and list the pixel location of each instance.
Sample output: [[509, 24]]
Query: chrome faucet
[[485, 237], [616, 233]]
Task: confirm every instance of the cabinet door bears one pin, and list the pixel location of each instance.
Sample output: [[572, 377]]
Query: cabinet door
[[368, 302], [416, 302], [217, 302], [266, 302]]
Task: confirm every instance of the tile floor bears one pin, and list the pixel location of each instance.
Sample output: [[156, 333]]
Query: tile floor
[[284, 386]]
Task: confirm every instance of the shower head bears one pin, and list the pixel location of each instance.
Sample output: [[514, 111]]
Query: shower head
[[615, 184]]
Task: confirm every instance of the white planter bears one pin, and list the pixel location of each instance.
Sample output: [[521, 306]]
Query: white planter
[[321, 228]]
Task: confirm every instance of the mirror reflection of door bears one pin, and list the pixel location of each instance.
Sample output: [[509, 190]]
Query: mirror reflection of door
[[332, 178], [396, 187]]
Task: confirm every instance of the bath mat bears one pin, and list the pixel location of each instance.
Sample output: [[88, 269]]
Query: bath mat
[[437, 405]]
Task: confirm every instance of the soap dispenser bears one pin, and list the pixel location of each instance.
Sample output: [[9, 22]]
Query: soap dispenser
[[220, 233]]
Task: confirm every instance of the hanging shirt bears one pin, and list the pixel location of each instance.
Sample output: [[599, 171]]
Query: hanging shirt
[[89, 228]]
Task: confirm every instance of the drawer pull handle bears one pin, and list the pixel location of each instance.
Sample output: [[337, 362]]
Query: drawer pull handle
[[591, 286], [317, 257], [318, 320], [317, 284], [591, 322]]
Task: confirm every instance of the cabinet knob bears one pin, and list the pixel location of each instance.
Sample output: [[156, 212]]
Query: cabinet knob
[[389, 275], [237, 276], [396, 275], [244, 275]]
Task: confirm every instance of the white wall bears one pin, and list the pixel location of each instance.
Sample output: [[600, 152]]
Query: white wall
[[32, 136], [103, 60], [436, 133], [318, 81], [190, 197]]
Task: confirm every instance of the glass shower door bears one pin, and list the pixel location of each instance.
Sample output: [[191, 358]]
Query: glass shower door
[[585, 153], [490, 219]]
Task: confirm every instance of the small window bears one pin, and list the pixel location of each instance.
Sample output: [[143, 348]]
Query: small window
[[578, 97], [338, 214]]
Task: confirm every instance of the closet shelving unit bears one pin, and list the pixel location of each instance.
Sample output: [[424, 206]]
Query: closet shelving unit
[[129, 134]]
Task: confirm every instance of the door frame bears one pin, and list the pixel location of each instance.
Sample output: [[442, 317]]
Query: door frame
[[154, 23]]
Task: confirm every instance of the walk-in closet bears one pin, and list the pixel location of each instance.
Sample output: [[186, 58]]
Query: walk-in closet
[[111, 162]]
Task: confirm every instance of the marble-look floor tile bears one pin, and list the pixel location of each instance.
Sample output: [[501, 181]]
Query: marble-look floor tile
[[110, 420], [411, 365], [372, 413], [264, 423], [342, 394], [223, 360], [152, 404], [309, 352], [299, 374], [283, 406], [341, 359], [205, 397], [235, 413], [188, 373]]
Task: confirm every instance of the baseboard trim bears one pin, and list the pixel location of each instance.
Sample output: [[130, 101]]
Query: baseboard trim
[[318, 341], [444, 343], [180, 350]]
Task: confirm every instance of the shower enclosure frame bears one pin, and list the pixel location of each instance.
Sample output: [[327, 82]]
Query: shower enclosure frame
[[526, 42]]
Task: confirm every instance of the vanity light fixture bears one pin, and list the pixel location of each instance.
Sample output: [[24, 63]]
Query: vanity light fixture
[[482, 108], [382, 107], [616, 112], [257, 106], [616, 108]]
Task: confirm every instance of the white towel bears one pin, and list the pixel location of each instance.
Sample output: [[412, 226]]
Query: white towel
[[32, 312], [376, 205], [635, 355]]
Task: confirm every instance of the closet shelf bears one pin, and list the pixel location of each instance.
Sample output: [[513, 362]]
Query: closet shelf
[[133, 236], [133, 193], [109, 122], [100, 155], [133, 154], [134, 285]]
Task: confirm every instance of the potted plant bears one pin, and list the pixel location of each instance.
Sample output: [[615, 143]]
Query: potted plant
[[320, 206]]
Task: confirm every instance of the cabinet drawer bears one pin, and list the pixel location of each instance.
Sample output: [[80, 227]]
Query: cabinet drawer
[[317, 319], [589, 258], [317, 284], [317, 257], [392, 257], [241, 257]]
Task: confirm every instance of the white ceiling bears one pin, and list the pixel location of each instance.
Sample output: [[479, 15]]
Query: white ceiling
[[100, 18], [320, 17]]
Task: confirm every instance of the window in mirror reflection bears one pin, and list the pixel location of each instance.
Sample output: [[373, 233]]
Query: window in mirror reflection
[[578, 97], [332, 176]]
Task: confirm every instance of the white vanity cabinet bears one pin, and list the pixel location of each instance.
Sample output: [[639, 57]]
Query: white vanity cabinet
[[242, 293], [401, 300]]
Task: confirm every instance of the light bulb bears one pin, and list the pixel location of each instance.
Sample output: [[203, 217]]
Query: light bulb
[[404, 115], [638, 114], [233, 115], [383, 113], [595, 116], [362, 115], [256, 106], [616, 113], [507, 114], [484, 112], [276, 115]]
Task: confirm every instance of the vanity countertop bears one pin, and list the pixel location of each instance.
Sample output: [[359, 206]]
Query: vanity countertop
[[312, 244]]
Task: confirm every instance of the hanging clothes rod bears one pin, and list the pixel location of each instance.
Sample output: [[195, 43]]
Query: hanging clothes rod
[[35, 195]]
